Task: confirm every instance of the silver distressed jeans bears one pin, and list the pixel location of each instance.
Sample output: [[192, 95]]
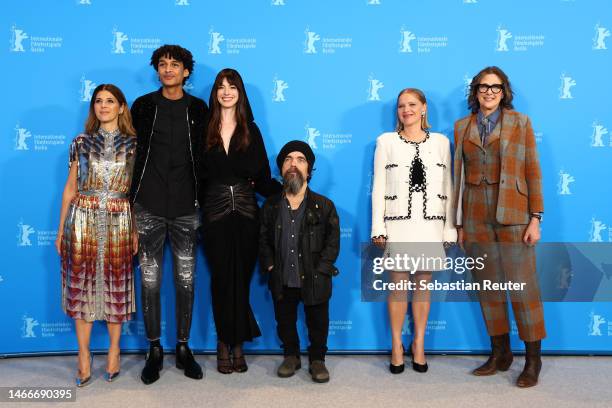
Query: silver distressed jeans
[[182, 234]]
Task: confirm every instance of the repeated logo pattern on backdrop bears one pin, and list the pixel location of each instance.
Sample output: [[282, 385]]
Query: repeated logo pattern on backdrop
[[328, 73]]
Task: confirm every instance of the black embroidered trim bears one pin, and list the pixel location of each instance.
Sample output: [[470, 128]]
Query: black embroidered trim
[[393, 197], [397, 217], [390, 166], [414, 143], [442, 197], [441, 165], [418, 187], [430, 217], [380, 236]]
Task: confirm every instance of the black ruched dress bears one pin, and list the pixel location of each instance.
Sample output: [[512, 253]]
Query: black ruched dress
[[231, 230]]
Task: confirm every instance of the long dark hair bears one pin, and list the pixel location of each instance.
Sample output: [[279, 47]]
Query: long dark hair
[[244, 115], [92, 124], [506, 101]]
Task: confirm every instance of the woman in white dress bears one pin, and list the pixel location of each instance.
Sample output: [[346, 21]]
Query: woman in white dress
[[411, 214]]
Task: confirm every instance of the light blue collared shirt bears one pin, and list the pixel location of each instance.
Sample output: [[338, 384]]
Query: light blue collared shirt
[[486, 124]]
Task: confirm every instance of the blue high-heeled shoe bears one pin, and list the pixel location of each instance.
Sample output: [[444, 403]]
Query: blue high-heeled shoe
[[110, 377], [82, 382]]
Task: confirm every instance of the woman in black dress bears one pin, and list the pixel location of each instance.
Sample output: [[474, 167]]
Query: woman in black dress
[[235, 168]]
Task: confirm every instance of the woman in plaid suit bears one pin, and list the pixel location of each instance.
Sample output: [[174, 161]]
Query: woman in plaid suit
[[499, 205]]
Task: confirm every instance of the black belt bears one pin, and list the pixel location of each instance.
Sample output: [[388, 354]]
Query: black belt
[[221, 200]]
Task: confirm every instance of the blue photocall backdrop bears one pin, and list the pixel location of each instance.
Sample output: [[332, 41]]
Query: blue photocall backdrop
[[326, 72]]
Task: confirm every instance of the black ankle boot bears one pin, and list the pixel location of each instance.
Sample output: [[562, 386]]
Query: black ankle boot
[[186, 362], [154, 364]]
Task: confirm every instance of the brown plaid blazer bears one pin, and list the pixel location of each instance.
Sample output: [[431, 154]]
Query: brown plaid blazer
[[520, 179]]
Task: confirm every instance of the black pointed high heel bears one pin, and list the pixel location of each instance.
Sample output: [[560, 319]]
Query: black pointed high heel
[[419, 368], [397, 369]]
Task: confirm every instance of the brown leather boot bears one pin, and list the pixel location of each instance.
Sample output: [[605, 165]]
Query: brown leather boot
[[500, 358], [533, 365]]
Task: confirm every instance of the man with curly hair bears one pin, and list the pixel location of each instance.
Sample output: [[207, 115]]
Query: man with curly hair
[[170, 126]]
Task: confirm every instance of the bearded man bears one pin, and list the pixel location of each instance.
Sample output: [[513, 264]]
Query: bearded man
[[299, 243]]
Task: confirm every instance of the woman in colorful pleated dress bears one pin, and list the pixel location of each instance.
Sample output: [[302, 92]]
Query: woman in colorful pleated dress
[[95, 237]]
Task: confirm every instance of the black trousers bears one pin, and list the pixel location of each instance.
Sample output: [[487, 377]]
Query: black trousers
[[317, 322], [152, 233]]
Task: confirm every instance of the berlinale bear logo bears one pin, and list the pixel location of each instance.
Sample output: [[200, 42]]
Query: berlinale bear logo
[[279, 89], [214, 44], [17, 37], [311, 38], [119, 38], [375, 86]]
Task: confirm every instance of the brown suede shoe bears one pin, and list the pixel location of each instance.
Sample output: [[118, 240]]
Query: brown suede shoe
[[289, 366], [318, 371]]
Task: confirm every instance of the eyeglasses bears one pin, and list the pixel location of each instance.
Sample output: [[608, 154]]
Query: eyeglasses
[[495, 88]]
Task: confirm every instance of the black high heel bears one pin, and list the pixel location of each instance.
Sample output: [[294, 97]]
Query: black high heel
[[419, 368], [224, 362], [239, 363], [397, 369]]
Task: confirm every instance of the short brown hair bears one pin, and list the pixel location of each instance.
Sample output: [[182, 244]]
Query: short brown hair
[[421, 97], [125, 119], [506, 101]]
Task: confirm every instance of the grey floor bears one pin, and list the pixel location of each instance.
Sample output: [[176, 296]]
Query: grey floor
[[357, 381]]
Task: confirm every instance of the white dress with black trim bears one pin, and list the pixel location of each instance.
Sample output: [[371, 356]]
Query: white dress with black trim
[[411, 196]]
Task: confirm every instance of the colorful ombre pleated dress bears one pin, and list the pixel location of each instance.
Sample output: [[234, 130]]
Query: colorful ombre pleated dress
[[97, 274]]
